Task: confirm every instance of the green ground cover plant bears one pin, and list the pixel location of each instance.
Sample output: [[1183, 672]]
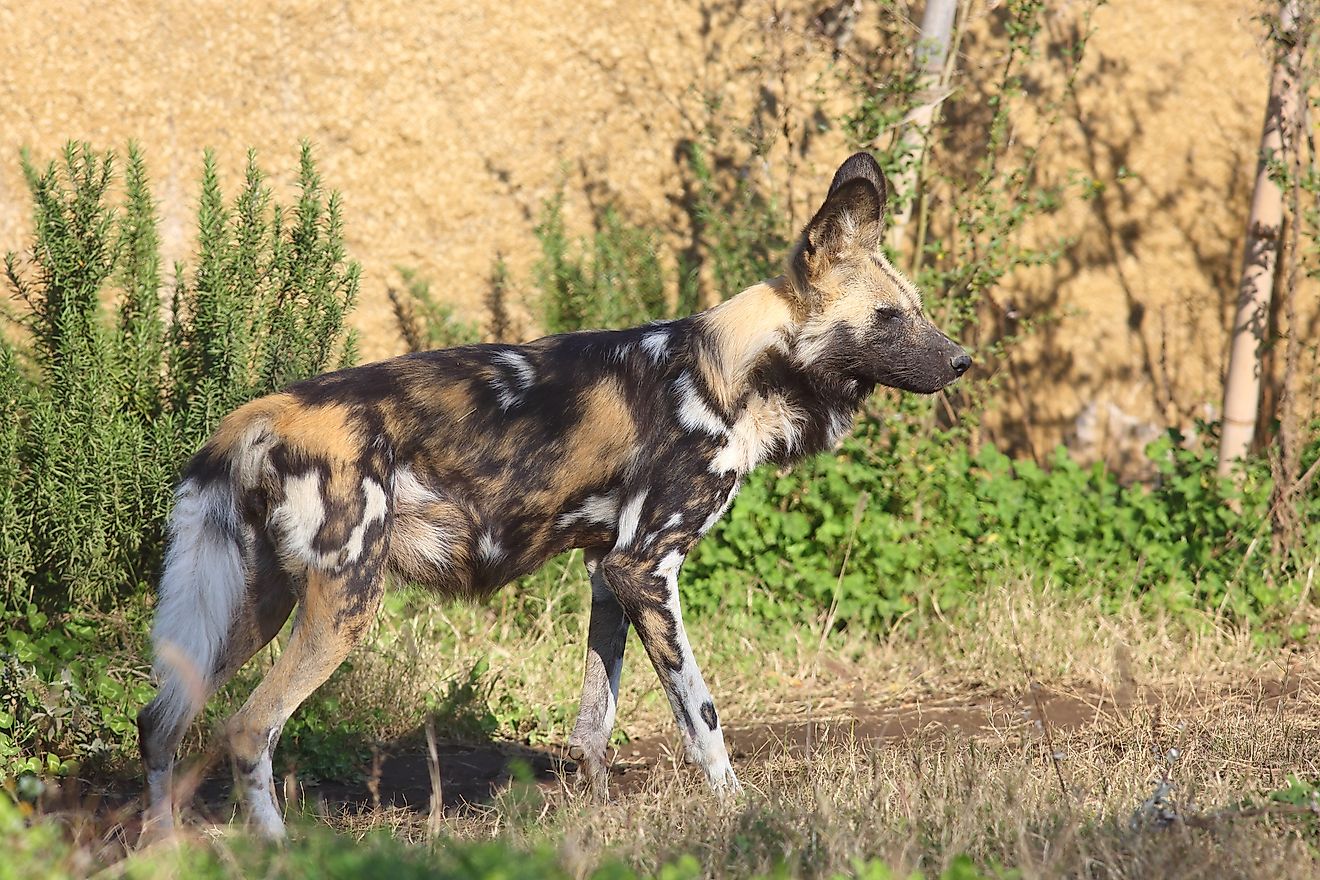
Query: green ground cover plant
[[40, 850], [929, 521]]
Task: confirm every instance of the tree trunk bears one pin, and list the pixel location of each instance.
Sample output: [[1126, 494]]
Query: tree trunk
[[1242, 385], [932, 51], [1289, 484]]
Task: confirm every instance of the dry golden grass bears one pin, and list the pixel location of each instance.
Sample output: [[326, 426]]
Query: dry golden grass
[[531, 645]]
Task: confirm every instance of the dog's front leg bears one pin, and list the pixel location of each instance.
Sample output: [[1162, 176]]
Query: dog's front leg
[[647, 589], [606, 635]]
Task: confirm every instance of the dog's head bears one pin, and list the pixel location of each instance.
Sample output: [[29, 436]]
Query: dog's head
[[861, 319]]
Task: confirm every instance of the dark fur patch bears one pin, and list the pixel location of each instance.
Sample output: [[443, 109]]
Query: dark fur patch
[[686, 720], [708, 715]]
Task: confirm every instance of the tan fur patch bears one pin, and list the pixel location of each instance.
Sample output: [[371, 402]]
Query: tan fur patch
[[742, 329], [329, 432], [322, 638], [605, 433], [453, 396], [237, 428], [655, 625]]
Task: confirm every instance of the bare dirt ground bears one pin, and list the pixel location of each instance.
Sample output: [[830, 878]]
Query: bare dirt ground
[[475, 774], [472, 774]]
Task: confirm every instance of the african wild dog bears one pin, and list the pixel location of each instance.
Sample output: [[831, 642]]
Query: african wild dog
[[465, 468]]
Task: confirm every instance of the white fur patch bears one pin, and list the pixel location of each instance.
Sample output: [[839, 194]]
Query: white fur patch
[[715, 517], [688, 693], [503, 393], [667, 569], [840, 424], [522, 368], [656, 345], [409, 491], [693, 413], [524, 376], [488, 548], [261, 810], [629, 517], [373, 512], [298, 519], [595, 508], [813, 343], [250, 458], [420, 545], [418, 538], [744, 451], [762, 424]]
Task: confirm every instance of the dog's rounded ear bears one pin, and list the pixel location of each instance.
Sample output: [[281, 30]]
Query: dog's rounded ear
[[852, 216], [854, 209], [862, 165]]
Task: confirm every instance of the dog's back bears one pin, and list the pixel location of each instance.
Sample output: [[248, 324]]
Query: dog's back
[[471, 466]]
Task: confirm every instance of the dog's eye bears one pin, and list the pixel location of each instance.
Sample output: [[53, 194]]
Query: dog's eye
[[888, 314]]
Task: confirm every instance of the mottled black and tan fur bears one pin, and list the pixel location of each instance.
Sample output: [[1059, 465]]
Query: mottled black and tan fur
[[465, 468]]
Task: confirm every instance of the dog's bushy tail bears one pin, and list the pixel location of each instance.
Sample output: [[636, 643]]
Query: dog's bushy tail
[[201, 591]]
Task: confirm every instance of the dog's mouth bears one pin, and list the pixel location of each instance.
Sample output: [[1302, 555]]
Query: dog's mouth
[[935, 371]]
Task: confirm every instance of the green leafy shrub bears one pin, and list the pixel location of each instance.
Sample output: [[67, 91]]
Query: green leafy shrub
[[87, 470], [100, 406], [612, 279], [424, 321]]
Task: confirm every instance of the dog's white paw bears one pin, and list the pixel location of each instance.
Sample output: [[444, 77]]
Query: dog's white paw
[[723, 781]]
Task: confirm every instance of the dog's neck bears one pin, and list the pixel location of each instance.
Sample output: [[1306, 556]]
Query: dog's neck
[[746, 359], [737, 335]]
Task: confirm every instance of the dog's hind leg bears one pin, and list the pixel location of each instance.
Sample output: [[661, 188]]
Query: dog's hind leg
[[258, 622], [215, 612], [333, 615], [607, 633]]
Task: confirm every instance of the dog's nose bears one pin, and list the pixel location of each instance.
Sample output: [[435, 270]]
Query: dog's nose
[[961, 363]]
